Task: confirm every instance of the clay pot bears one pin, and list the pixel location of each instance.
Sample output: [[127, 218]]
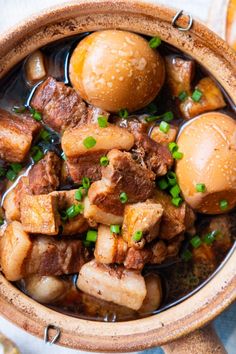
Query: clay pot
[[198, 310]]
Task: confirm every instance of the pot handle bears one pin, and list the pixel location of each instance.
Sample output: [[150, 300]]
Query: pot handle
[[202, 341]]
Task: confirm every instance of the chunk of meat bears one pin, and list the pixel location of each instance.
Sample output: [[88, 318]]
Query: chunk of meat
[[164, 138], [15, 245], [134, 124], [154, 156], [75, 225], [116, 284], [110, 248], [39, 214], [44, 176], [94, 113], [60, 105], [180, 73], [82, 161], [154, 295], [50, 256], [174, 220], [137, 258], [16, 135], [144, 217], [159, 252], [65, 177], [13, 197], [211, 99], [46, 289], [95, 215], [122, 175], [174, 244]]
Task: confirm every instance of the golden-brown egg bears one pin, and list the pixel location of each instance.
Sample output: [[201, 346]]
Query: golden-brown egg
[[116, 69], [209, 147]]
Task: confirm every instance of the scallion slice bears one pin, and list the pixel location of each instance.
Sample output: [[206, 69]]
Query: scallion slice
[[164, 127], [74, 210], [137, 236], [123, 197], [36, 153], [86, 182], [196, 241], [197, 95], [123, 113], [162, 183], [115, 229], [177, 155], [186, 255], [183, 95], [16, 167], [175, 191], [89, 142], [176, 201], [11, 175], [102, 121], [224, 204], [200, 187], [171, 177], [154, 42], [92, 236], [104, 161]]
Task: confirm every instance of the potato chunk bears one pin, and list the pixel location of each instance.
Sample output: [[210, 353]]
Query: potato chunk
[[96, 215], [211, 99], [39, 214], [111, 137], [15, 245], [109, 248], [16, 135], [121, 286], [144, 217]]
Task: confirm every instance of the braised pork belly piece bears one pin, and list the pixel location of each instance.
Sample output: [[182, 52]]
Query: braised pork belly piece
[[122, 175], [164, 138], [16, 135], [180, 73], [44, 176], [210, 100], [60, 105], [84, 160]]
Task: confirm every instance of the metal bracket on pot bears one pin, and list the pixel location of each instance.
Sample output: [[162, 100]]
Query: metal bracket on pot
[[46, 334], [178, 15]]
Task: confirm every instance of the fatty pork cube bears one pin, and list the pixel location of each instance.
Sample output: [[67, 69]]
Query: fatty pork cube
[[83, 161], [180, 73], [122, 175], [95, 215], [164, 138], [60, 105], [110, 248], [154, 295], [16, 135], [77, 224], [11, 203], [44, 176], [155, 156], [144, 217], [211, 99], [115, 284], [15, 245], [94, 113], [174, 220], [39, 214]]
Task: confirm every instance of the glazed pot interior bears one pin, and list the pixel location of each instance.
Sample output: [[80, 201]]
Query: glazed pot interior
[[220, 61]]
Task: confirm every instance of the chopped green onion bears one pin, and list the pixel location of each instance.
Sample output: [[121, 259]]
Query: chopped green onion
[[173, 147], [196, 241], [168, 116], [36, 153], [123, 197], [92, 236], [197, 95], [162, 184], [115, 229], [79, 194], [16, 167], [137, 236], [174, 191], [152, 108], [164, 127], [64, 216], [104, 161], [11, 175], [17, 109], [186, 255], [152, 119], [2, 171], [86, 243], [210, 237], [224, 204], [171, 177], [177, 155], [123, 113], [63, 156], [37, 116], [1, 221], [102, 121], [74, 210], [89, 142], [86, 182], [154, 42], [45, 135], [183, 95], [200, 187], [176, 201]]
